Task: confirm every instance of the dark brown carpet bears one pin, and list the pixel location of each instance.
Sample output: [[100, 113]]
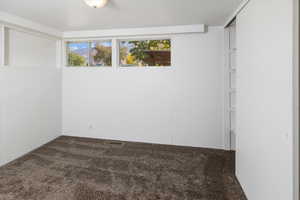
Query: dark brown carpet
[[71, 168]]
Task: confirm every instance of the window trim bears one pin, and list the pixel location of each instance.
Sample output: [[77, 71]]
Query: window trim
[[115, 50]]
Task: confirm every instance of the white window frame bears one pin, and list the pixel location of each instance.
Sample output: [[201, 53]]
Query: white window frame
[[66, 52], [143, 39]]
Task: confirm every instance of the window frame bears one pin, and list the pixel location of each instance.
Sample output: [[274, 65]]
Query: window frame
[[115, 50], [143, 39], [66, 53]]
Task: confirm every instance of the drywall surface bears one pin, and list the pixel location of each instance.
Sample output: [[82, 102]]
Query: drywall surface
[[30, 102], [179, 105], [296, 100], [265, 99]]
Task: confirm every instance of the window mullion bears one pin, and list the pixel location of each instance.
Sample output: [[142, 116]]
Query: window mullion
[[89, 53], [115, 51]]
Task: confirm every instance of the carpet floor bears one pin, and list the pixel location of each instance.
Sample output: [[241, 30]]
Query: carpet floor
[[70, 168]]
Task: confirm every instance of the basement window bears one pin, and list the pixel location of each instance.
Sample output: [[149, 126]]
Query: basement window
[[89, 54], [142, 53]]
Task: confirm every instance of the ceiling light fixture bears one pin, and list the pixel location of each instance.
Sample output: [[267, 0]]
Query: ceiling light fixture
[[96, 3]]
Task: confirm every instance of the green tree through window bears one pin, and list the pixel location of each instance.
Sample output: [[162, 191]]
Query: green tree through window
[[76, 59], [146, 53]]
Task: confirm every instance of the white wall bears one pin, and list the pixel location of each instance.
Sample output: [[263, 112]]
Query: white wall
[[30, 100], [296, 100], [265, 99], [179, 105]]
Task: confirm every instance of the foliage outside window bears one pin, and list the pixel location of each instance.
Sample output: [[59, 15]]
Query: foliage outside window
[[145, 53], [95, 53]]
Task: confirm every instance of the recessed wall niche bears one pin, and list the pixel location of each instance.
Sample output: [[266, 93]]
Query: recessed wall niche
[[24, 48]]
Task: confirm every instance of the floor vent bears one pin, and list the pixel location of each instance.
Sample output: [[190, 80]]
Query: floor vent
[[118, 144]]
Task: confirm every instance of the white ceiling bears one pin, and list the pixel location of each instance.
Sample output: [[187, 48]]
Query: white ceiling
[[67, 15]]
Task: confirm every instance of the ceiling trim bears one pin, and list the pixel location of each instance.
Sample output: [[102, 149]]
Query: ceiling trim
[[12, 20], [164, 30]]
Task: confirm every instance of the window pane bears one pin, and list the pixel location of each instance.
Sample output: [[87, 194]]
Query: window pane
[[145, 53], [100, 53], [78, 53]]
